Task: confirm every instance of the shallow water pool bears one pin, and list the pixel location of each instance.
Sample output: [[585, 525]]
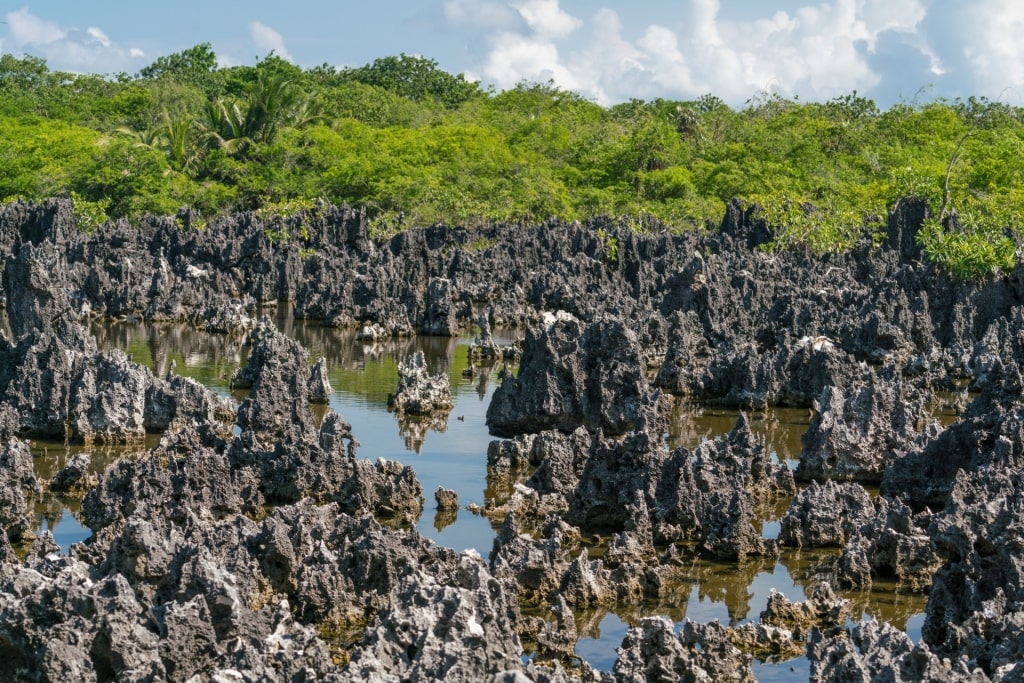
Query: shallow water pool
[[452, 453]]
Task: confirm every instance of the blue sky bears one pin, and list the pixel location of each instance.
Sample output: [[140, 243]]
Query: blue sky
[[608, 51]]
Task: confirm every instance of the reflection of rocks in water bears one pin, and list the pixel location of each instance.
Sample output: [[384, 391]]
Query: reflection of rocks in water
[[588, 621], [729, 584], [447, 508], [413, 430], [343, 349], [483, 379], [809, 568], [320, 412], [689, 424], [781, 428], [49, 458], [48, 511], [444, 519], [166, 341]]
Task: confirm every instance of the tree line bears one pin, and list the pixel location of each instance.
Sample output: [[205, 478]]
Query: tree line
[[416, 145]]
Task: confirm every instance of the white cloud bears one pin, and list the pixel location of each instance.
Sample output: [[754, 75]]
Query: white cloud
[[268, 39], [993, 49], [26, 29], [68, 49], [816, 51], [514, 58], [530, 53], [99, 36], [547, 19]]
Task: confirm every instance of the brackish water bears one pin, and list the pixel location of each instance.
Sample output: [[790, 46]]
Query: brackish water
[[453, 454]]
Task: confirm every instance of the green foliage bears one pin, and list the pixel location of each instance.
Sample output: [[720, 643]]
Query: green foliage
[[42, 158], [417, 146], [89, 215], [280, 219], [821, 230], [195, 66], [479, 244], [385, 225], [609, 246], [970, 252], [415, 78]]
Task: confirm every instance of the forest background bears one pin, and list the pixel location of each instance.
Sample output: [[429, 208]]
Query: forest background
[[415, 145]]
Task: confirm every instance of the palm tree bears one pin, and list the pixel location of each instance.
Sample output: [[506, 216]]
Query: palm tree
[[225, 127], [273, 102], [270, 103], [170, 136], [180, 150], [150, 137]]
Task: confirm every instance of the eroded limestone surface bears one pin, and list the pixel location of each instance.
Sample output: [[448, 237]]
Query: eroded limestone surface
[[254, 543]]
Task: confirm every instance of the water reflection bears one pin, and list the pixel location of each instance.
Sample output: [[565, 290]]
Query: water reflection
[[413, 429], [452, 453], [781, 428], [58, 513], [444, 519], [207, 358]]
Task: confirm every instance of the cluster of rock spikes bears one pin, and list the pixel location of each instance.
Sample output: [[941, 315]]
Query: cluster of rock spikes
[[253, 542]]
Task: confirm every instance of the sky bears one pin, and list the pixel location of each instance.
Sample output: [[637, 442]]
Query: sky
[[893, 51]]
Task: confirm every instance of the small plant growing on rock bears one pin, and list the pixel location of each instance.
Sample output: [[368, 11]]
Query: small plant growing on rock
[[89, 214], [386, 225], [609, 245], [970, 250]]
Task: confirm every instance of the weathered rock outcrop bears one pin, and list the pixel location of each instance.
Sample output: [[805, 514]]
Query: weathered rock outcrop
[[877, 651], [227, 556], [439, 310], [975, 609], [61, 386], [319, 383], [860, 427], [573, 375], [745, 311], [654, 652], [419, 393], [879, 537], [18, 485], [990, 433], [736, 475], [826, 515], [895, 545], [205, 598], [462, 631], [640, 492], [824, 611]]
